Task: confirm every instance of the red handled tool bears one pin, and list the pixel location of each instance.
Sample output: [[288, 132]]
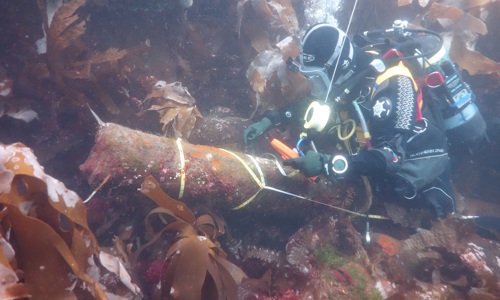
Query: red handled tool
[[287, 153]]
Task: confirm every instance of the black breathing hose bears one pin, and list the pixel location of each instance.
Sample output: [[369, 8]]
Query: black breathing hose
[[409, 44]]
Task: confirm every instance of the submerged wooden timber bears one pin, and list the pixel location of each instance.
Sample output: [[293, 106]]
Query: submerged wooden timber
[[212, 176]]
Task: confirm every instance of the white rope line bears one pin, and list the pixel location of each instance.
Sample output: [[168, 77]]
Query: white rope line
[[276, 162], [259, 183], [182, 167], [279, 166], [341, 49], [262, 186], [257, 166]]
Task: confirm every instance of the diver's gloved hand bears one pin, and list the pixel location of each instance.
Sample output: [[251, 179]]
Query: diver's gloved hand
[[443, 203], [256, 129], [312, 164]]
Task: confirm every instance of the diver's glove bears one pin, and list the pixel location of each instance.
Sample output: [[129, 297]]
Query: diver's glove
[[312, 164], [256, 129], [443, 203]]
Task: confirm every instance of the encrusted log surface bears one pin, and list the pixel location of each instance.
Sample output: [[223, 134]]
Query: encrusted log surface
[[213, 176], [220, 132]]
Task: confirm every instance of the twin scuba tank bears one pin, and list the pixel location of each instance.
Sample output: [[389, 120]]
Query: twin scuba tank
[[463, 122], [432, 66]]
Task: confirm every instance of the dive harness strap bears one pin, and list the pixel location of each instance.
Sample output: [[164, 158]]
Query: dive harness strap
[[400, 70]]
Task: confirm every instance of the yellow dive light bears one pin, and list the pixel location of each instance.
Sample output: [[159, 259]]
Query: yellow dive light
[[317, 116]]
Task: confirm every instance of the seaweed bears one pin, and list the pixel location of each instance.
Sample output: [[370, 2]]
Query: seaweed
[[48, 250], [73, 66], [329, 257], [274, 85], [268, 21], [45, 232], [278, 16], [196, 266], [176, 107], [462, 23]]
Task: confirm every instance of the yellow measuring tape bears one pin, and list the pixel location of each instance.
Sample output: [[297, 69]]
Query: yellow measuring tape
[[261, 183]]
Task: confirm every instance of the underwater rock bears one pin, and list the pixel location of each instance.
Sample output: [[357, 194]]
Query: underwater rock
[[447, 261], [147, 5], [435, 292], [220, 132]]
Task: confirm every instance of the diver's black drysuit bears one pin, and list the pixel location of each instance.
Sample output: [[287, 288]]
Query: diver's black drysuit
[[409, 153], [409, 144]]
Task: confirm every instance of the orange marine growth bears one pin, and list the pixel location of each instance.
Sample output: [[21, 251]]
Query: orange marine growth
[[388, 244]]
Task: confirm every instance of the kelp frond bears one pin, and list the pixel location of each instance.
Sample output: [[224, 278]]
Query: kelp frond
[[45, 233], [176, 107], [196, 265]]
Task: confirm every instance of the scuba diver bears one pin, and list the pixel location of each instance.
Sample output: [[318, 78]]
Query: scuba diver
[[379, 81]]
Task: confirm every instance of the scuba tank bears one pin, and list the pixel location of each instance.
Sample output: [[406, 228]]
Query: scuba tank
[[433, 68], [463, 122]]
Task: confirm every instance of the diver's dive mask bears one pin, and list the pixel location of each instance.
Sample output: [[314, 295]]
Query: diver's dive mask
[[318, 81], [326, 52]]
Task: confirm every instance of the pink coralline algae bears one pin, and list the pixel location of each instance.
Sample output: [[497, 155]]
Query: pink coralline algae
[[290, 294], [152, 274]]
